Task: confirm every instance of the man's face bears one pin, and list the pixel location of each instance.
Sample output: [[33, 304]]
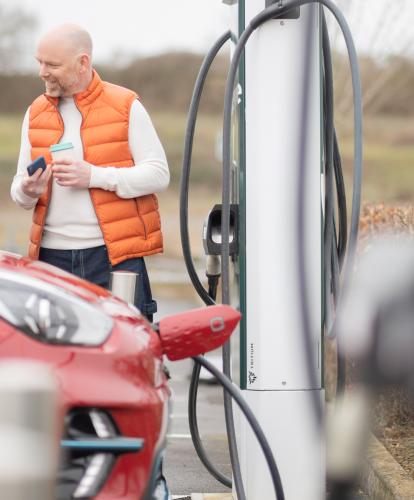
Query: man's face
[[59, 68]]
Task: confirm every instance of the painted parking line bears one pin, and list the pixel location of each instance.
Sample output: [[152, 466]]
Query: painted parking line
[[211, 496], [178, 436], [204, 496]]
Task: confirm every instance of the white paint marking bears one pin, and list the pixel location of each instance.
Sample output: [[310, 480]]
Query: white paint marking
[[178, 436]]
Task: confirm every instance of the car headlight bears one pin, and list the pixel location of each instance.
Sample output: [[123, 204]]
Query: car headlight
[[50, 314]]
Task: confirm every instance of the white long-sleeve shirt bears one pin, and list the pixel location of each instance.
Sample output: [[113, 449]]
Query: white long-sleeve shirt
[[71, 222]]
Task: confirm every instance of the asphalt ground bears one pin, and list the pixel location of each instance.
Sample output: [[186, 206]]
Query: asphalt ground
[[184, 471]]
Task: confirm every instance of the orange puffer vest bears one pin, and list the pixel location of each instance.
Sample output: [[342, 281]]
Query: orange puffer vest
[[130, 227]]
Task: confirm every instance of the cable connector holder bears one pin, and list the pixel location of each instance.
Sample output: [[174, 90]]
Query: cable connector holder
[[290, 14]]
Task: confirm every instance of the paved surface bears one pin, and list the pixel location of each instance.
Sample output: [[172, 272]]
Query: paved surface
[[183, 469]]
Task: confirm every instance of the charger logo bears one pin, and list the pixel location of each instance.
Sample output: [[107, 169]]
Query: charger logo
[[252, 377], [217, 324]]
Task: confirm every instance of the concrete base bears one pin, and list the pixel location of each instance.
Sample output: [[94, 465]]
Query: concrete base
[[384, 478], [287, 421], [205, 496]]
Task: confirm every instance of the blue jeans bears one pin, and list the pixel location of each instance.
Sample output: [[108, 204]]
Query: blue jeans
[[93, 264]]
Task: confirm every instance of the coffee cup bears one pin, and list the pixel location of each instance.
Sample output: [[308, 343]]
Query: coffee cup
[[61, 151]]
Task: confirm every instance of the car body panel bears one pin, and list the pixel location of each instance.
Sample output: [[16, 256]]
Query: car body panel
[[124, 376]]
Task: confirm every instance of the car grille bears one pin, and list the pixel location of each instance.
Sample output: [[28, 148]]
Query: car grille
[[82, 474]]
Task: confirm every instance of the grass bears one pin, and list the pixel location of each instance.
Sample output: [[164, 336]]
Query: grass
[[9, 135], [9, 149], [388, 169], [205, 165]]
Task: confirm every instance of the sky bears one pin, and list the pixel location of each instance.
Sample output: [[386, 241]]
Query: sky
[[142, 27], [146, 27], [379, 27]]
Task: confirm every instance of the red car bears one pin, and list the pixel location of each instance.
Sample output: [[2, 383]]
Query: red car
[[108, 361]]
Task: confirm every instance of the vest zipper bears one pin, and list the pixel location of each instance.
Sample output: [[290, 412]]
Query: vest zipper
[[97, 218], [49, 187], [89, 189]]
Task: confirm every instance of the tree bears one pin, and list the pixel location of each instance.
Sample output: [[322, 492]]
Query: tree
[[16, 26]]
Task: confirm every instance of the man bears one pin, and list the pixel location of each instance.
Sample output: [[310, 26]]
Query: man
[[95, 213]]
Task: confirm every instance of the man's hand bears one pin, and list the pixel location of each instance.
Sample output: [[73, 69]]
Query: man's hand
[[34, 185], [73, 173]]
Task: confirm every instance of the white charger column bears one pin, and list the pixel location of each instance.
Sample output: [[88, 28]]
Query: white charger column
[[273, 373]]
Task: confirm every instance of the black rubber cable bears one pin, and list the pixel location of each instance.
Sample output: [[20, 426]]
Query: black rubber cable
[[185, 243], [228, 411], [335, 270], [231, 432], [212, 286], [332, 148], [329, 168], [235, 393], [341, 374], [195, 435], [334, 259], [192, 410], [337, 254], [334, 247], [187, 155], [342, 204]]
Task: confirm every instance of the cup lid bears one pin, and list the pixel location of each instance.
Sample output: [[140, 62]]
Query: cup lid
[[60, 147]]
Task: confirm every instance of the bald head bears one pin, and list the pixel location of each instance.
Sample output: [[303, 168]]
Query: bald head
[[71, 37], [65, 57]]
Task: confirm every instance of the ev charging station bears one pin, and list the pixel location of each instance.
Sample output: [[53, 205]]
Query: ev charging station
[[268, 357], [285, 253]]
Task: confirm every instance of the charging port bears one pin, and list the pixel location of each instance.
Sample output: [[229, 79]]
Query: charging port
[[212, 231]]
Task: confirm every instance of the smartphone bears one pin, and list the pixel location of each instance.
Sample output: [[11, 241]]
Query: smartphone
[[38, 163]]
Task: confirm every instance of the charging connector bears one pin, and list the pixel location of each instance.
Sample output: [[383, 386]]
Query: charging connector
[[212, 238]]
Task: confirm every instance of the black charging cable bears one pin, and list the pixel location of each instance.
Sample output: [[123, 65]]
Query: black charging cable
[[210, 296], [235, 393], [192, 407], [334, 247], [186, 167]]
